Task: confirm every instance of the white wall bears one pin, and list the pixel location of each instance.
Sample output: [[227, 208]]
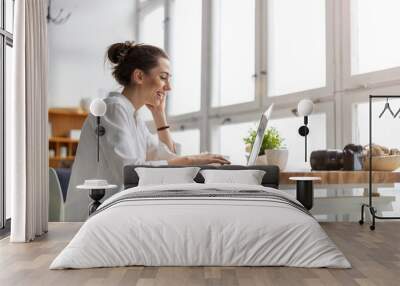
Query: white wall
[[77, 48]]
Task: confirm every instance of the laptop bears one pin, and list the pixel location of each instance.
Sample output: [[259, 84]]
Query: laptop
[[260, 135]]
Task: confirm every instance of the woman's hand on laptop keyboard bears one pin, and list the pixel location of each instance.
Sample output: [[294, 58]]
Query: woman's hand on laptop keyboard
[[201, 159]]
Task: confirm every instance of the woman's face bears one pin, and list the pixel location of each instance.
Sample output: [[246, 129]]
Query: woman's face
[[156, 83]]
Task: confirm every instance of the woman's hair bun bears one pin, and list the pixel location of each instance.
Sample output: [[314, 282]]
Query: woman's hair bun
[[126, 57], [116, 52]]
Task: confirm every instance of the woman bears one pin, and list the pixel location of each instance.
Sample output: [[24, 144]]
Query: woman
[[144, 73]]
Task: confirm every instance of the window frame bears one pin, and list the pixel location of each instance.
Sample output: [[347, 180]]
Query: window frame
[[326, 108], [144, 8], [259, 68], [375, 79], [6, 39], [207, 116], [315, 93], [2, 128], [186, 127], [169, 25]]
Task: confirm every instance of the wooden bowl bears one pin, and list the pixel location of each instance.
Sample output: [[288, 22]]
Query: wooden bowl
[[383, 163]]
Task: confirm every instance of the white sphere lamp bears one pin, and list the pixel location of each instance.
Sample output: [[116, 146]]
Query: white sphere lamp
[[97, 187], [98, 108], [304, 108]]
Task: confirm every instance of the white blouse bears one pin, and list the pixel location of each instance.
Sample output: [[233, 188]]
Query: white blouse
[[127, 140]]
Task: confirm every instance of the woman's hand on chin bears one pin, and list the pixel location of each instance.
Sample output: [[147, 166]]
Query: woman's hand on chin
[[158, 109], [155, 110], [202, 159], [159, 116]]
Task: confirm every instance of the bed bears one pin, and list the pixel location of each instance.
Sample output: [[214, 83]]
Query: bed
[[197, 224]]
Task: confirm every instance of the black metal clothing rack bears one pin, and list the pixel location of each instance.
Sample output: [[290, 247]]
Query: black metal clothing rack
[[371, 208]]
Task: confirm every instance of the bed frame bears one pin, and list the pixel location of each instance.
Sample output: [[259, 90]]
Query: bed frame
[[270, 179]]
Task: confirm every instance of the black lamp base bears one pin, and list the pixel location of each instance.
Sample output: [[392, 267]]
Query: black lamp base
[[96, 195], [305, 193]]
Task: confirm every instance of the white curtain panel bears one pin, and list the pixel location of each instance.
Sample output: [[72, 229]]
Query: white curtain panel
[[27, 139]]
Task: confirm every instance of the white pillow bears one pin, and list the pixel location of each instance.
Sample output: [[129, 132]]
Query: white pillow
[[164, 176], [248, 177]]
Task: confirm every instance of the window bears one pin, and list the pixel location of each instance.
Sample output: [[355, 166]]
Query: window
[[381, 127], [8, 82], [316, 139], [9, 12], [152, 33], [231, 138], [374, 44], [152, 28], [235, 52], [188, 140], [296, 46], [2, 133], [231, 141], [186, 57]]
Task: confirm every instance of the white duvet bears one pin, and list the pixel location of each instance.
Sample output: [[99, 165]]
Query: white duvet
[[200, 231]]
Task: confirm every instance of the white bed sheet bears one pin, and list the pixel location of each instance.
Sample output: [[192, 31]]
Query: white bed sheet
[[200, 231]]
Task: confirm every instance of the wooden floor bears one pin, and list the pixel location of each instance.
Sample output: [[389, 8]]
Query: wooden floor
[[375, 257]]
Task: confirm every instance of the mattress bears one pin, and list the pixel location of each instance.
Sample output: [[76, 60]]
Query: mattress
[[201, 225]]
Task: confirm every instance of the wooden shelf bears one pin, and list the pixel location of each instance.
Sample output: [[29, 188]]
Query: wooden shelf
[[68, 111], [68, 158], [63, 140], [62, 121]]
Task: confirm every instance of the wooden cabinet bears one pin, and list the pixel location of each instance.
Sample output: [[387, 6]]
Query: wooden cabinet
[[62, 147], [59, 144]]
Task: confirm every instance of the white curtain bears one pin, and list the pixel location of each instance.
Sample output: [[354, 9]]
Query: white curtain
[[26, 119]]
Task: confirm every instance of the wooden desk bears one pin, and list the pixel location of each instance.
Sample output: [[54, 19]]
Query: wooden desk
[[343, 177], [347, 206]]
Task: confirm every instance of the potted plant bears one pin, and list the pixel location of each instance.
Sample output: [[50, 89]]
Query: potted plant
[[271, 151]]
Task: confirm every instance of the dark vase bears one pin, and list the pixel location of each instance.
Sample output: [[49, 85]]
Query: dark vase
[[353, 157], [329, 160]]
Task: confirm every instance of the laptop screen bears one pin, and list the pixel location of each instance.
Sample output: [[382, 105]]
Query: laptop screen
[[262, 126]]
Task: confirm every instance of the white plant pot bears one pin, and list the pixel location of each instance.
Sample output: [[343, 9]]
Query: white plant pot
[[261, 160], [277, 157]]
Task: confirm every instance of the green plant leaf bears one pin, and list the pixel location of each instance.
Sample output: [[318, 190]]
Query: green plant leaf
[[272, 139]]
